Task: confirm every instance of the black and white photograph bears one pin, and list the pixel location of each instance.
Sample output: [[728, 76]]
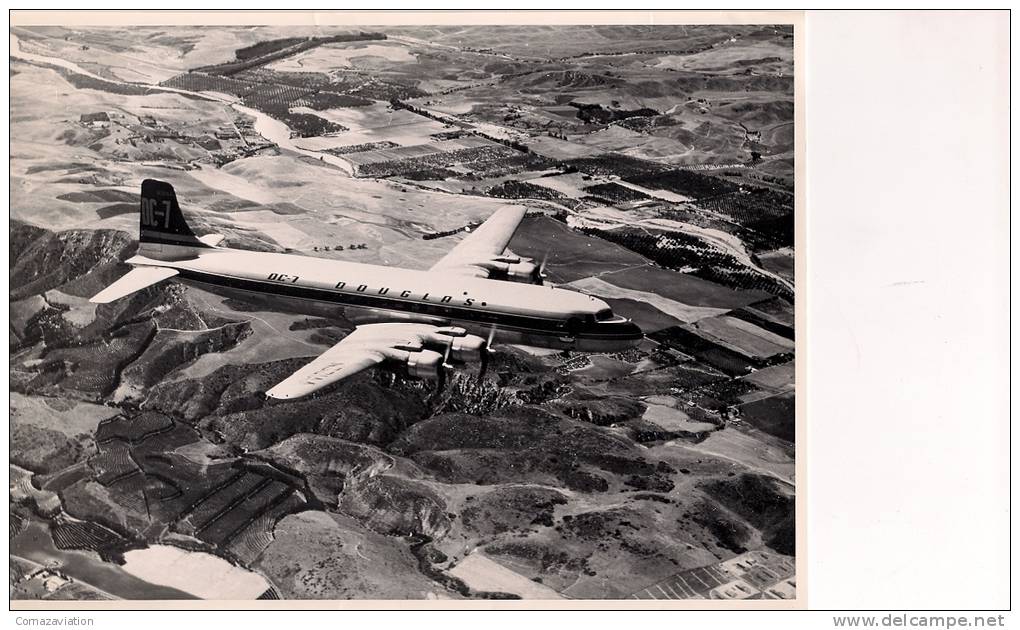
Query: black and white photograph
[[403, 312]]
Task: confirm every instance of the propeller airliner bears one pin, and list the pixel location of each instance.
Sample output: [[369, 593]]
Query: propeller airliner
[[416, 323]]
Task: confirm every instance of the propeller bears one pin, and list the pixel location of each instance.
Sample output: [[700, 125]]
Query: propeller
[[441, 378], [539, 273], [446, 355], [443, 367], [486, 351]]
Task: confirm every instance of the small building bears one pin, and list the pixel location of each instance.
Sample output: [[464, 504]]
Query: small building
[[96, 119], [148, 121]]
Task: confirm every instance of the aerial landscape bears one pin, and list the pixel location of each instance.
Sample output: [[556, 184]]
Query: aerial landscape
[[655, 169]]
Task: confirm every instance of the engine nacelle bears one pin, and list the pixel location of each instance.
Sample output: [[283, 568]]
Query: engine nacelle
[[519, 271], [527, 272], [427, 364], [462, 346], [467, 348]]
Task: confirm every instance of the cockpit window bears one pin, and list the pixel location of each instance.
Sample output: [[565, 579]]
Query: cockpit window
[[604, 314]]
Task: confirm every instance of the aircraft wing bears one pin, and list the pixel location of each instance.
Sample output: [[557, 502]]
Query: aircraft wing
[[367, 346], [135, 280], [488, 241]]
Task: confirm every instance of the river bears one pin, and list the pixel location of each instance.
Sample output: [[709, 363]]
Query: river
[[268, 127], [17, 52], [279, 133]]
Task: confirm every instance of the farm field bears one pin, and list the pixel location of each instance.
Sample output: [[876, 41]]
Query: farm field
[[755, 574], [676, 310], [649, 318], [569, 184], [780, 261], [681, 287], [772, 415], [618, 139], [743, 337], [775, 377], [572, 256], [353, 55], [557, 149], [416, 151]]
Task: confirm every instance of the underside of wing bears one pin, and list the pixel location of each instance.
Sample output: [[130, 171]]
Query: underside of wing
[[475, 254], [135, 280], [334, 365], [367, 346]]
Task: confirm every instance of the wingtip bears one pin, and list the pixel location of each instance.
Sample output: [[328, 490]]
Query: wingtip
[[276, 394]]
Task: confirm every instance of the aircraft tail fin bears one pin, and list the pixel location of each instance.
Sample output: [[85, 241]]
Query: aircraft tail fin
[[163, 231]]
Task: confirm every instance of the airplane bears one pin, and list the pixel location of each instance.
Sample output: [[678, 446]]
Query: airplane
[[414, 323]]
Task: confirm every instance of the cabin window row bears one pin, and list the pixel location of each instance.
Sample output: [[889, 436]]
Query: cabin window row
[[446, 299], [444, 308]]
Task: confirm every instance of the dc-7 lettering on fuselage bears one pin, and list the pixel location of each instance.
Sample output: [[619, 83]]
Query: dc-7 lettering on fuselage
[[414, 322]]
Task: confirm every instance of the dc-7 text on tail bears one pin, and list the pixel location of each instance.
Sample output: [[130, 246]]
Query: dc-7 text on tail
[[417, 323]]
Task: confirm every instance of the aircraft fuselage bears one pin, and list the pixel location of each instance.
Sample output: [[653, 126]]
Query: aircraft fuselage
[[514, 312]]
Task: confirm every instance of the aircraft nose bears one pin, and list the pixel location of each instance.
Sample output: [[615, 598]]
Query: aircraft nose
[[623, 331], [631, 332]]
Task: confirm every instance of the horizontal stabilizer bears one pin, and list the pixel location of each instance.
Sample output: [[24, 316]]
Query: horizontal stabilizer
[[134, 280], [212, 240]]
